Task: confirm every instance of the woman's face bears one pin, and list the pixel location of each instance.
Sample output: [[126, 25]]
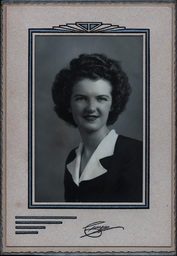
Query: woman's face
[[91, 103]]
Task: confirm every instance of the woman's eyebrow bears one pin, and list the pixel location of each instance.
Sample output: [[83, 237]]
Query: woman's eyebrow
[[79, 94], [85, 95], [103, 95]]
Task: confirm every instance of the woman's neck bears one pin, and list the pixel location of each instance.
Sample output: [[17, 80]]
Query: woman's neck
[[92, 139]]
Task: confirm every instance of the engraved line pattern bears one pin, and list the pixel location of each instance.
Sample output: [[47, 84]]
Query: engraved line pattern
[[31, 222], [26, 232], [30, 227], [38, 222], [45, 217], [88, 27]]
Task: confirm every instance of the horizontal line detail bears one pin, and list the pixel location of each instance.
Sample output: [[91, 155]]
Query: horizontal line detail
[[26, 232], [30, 227], [38, 222], [45, 217]]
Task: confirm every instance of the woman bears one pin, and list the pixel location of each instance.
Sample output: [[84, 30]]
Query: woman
[[106, 167]]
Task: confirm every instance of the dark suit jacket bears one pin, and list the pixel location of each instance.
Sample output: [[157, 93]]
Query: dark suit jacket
[[121, 183]]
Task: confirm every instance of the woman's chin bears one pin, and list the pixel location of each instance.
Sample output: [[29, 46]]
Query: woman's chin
[[91, 128]]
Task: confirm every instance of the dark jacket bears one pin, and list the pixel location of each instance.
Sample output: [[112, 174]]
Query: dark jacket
[[121, 183]]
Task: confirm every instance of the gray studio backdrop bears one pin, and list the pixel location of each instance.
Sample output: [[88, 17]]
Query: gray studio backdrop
[[53, 137]]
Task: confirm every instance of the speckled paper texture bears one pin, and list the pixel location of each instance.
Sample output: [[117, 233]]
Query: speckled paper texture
[[145, 230]]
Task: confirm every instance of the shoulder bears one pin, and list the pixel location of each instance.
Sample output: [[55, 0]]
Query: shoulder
[[126, 145], [71, 156], [126, 141]]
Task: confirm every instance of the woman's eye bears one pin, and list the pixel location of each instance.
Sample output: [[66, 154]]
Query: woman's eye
[[80, 98], [102, 99]]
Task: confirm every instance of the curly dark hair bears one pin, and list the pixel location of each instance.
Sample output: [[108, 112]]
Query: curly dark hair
[[92, 66]]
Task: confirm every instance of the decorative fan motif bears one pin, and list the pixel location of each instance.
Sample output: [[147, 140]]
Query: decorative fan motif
[[88, 27]]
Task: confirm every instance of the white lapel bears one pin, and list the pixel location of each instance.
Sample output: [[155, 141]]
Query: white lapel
[[93, 168]]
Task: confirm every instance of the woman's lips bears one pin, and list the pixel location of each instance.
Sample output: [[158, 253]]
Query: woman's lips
[[90, 117]]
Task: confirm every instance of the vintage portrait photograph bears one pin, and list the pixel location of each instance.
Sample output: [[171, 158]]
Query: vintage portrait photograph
[[88, 118], [88, 128]]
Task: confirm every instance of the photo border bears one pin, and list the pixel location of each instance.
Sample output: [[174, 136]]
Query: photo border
[[14, 250], [90, 28]]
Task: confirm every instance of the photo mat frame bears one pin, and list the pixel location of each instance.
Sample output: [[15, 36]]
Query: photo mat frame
[[80, 30], [55, 228]]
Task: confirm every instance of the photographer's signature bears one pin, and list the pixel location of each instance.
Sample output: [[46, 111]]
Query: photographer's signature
[[96, 229]]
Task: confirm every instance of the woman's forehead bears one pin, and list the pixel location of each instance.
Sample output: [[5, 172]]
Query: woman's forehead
[[89, 86]]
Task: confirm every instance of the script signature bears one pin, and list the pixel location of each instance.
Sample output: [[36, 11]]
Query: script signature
[[96, 229]]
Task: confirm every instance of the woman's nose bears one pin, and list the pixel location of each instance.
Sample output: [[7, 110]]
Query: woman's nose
[[91, 106]]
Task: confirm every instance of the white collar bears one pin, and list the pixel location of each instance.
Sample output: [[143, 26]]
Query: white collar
[[93, 168]]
